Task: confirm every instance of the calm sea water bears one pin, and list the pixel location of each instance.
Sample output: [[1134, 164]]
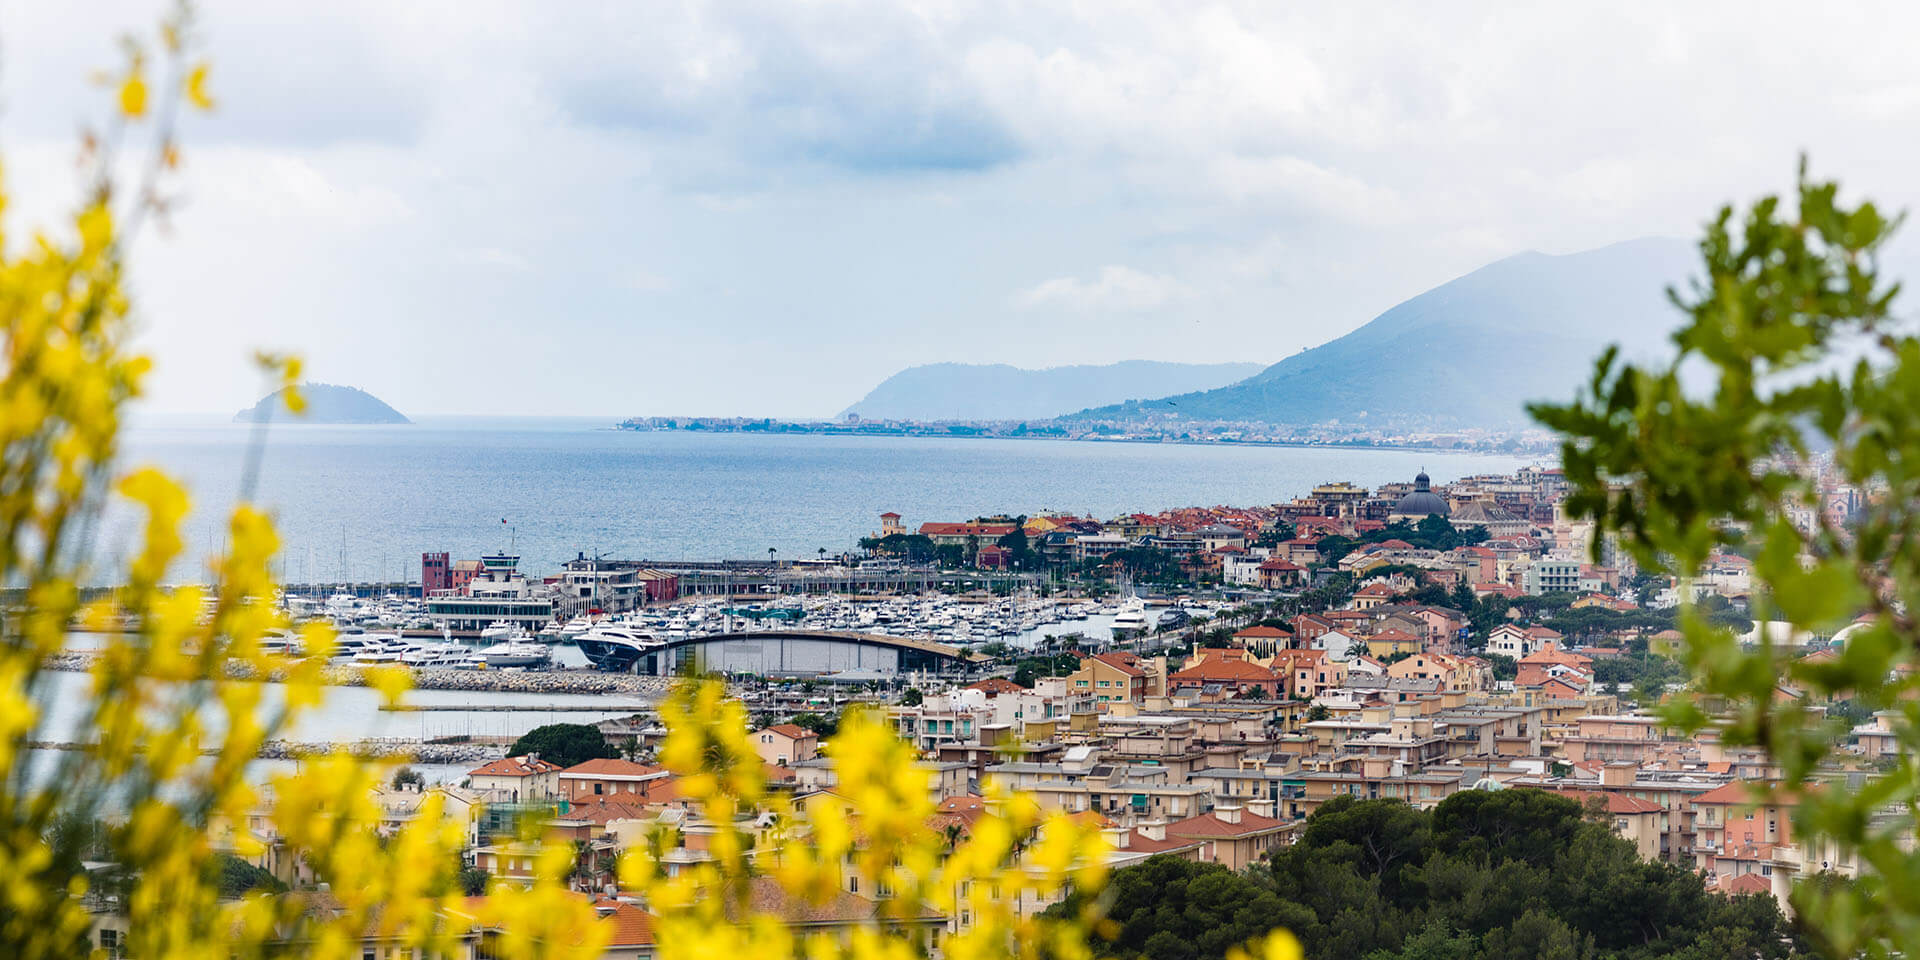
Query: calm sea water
[[363, 502]]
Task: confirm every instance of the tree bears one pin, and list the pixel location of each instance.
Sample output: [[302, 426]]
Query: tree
[[237, 877], [1504, 666], [1508, 873], [1790, 347], [1168, 908], [565, 744], [912, 698], [408, 777]]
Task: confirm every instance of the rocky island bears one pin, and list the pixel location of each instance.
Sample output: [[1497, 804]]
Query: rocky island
[[326, 403]]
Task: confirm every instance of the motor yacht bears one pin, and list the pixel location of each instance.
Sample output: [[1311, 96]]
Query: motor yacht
[[516, 653], [617, 648]]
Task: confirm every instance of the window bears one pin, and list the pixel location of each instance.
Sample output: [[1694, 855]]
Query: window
[[596, 789]]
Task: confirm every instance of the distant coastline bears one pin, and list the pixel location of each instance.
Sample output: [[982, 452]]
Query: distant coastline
[[1237, 435]]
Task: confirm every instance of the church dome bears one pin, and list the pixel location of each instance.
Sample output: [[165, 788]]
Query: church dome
[[1422, 502]]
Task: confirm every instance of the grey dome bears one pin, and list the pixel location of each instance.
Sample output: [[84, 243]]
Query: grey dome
[[1422, 501]]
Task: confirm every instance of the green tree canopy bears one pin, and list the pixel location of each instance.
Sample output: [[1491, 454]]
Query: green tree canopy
[[565, 744], [1510, 874]]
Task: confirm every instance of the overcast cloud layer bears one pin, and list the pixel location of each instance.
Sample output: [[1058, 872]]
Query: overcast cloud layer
[[714, 208]]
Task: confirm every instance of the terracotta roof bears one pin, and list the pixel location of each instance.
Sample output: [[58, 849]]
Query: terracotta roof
[[1736, 793], [611, 767], [1552, 654], [1617, 802], [791, 731], [1223, 670], [765, 897], [1210, 825], [1747, 883], [1126, 663], [632, 926], [513, 767], [1263, 632], [968, 808], [1142, 842], [602, 811], [997, 685]]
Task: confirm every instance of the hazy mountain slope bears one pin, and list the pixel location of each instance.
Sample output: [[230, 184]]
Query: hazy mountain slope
[[326, 403], [1470, 352], [962, 391]]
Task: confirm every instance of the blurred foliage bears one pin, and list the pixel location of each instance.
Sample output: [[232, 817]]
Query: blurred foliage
[[1790, 350], [161, 785]]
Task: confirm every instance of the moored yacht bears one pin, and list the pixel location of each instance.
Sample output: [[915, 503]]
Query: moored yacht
[[617, 648], [516, 653], [1133, 617]]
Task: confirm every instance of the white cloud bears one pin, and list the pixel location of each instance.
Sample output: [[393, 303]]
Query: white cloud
[[1115, 288], [822, 192]]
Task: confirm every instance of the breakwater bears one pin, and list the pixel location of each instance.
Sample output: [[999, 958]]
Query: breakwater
[[388, 748], [483, 681]]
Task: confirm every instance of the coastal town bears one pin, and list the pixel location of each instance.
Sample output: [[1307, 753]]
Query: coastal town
[[1412, 642]]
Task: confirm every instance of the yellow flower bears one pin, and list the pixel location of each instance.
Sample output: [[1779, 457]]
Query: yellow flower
[[133, 96], [197, 88]]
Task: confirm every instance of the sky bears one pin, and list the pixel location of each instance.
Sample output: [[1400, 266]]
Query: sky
[[690, 208]]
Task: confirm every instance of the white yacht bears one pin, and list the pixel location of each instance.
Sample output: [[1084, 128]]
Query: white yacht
[[435, 655], [516, 653], [499, 630], [1133, 616]]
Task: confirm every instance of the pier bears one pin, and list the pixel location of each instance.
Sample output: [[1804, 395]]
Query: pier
[[514, 708]]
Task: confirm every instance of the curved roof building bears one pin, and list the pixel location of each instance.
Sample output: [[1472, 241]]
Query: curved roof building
[[1422, 502]]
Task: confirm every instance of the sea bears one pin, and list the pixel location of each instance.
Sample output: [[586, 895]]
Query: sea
[[361, 503]]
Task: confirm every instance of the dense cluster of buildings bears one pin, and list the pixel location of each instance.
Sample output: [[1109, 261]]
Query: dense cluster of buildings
[[1217, 755], [1530, 546]]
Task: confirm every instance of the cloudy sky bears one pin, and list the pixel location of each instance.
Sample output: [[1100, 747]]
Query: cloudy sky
[[714, 208]]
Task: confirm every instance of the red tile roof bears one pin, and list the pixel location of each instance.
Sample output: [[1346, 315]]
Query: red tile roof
[[611, 767], [791, 731], [1210, 825], [1732, 794], [632, 926], [997, 685], [1747, 883], [513, 767], [1126, 663], [1616, 802], [1264, 632], [1225, 671]]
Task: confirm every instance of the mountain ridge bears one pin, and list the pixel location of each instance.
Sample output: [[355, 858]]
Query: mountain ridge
[[1469, 352], [1000, 391]]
